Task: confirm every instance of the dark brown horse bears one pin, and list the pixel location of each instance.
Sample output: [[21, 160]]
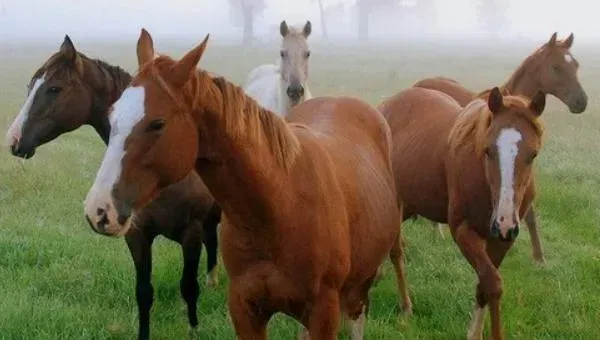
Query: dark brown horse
[[471, 168], [71, 90], [309, 206], [551, 69]]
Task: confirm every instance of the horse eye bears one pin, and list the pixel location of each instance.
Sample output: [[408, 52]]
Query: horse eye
[[156, 125], [53, 90], [282, 54], [307, 54], [532, 157], [556, 68]]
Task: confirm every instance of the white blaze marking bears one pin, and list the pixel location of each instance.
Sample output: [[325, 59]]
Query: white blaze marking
[[568, 58], [127, 112], [13, 135], [508, 149]]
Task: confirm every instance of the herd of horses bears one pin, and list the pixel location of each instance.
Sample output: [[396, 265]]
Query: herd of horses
[[308, 194]]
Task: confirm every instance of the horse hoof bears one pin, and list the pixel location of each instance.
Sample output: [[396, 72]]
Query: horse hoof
[[192, 332], [407, 310], [540, 260], [212, 280]]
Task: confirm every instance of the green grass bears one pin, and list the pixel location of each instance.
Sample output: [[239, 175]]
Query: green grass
[[59, 280]]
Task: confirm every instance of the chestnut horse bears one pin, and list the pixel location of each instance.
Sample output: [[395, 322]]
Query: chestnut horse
[[471, 168], [310, 208], [70, 90], [552, 69], [279, 87]]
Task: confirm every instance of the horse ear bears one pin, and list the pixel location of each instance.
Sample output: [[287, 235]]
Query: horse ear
[[495, 100], [68, 49], [284, 29], [538, 103], [145, 47], [569, 41], [181, 71], [307, 29], [552, 41]]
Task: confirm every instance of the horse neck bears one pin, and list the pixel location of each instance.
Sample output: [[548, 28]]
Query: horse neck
[[111, 83], [244, 169], [524, 81]]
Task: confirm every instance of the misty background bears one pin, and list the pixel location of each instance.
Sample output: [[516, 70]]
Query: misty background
[[348, 21]]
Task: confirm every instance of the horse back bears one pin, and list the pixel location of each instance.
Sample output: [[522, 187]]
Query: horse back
[[449, 86]]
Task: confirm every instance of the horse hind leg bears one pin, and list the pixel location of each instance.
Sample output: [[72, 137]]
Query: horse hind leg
[[398, 261], [532, 227], [211, 242], [190, 289]]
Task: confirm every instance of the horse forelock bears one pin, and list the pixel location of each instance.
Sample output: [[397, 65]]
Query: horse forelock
[[473, 123], [57, 63]]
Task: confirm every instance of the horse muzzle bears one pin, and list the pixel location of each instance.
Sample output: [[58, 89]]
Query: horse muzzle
[[104, 218], [22, 150], [503, 232]]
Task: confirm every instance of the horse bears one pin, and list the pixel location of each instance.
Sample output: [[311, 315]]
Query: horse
[[70, 90], [279, 87], [551, 68], [309, 202], [470, 167]]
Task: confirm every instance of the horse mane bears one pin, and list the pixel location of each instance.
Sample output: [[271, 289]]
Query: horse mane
[[244, 119], [473, 122]]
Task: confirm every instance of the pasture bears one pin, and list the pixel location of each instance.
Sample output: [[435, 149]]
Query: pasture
[[61, 280]]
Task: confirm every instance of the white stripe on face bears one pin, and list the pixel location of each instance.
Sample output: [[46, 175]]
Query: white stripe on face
[[127, 112], [13, 135], [508, 148]]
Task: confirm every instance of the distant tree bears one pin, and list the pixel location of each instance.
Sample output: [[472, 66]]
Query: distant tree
[[365, 8], [492, 15], [242, 14]]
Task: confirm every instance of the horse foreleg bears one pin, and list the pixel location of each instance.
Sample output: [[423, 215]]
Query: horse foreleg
[[489, 288], [140, 247], [324, 317], [249, 320], [398, 260], [496, 250], [532, 227], [190, 290]]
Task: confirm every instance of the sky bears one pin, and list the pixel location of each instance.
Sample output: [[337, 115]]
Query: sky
[[122, 19]]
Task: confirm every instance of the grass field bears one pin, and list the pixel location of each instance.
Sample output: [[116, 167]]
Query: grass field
[[59, 280]]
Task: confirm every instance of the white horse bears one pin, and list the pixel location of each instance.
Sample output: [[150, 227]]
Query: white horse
[[278, 87]]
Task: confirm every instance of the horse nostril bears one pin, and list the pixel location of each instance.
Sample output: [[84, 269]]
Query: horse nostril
[[495, 231], [100, 211], [515, 232]]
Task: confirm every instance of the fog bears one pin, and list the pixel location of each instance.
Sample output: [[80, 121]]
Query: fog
[[49, 20]]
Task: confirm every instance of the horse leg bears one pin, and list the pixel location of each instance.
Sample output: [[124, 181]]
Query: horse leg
[[211, 242], [439, 227], [496, 250], [489, 288], [140, 247], [190, 290], [324, 316], [398, 260], [531, 220], [249, 320]]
